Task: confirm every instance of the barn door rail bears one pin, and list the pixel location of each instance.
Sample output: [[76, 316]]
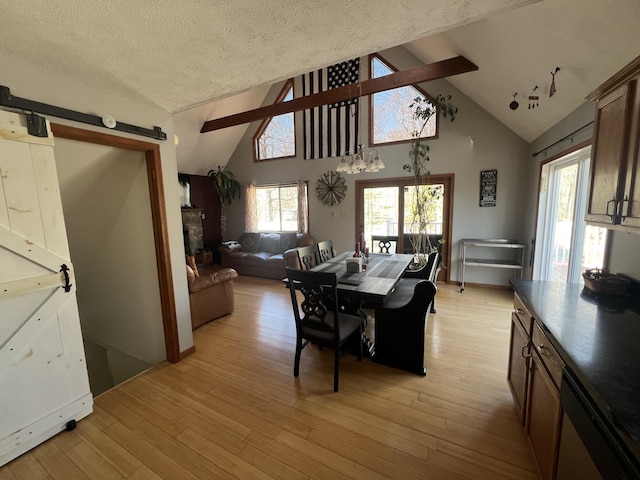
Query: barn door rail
[[37, 127], [23, 286]]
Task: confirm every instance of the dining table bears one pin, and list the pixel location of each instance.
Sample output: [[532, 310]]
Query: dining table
[[372, 285], [368, 287]]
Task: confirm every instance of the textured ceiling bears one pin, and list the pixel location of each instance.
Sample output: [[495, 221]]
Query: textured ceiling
[[221, 56], [185, 53]]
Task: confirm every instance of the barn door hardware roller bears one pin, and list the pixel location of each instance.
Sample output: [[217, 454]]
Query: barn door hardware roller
[[35, 123]]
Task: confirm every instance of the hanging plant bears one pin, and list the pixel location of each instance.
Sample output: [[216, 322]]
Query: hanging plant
[[424, 199]]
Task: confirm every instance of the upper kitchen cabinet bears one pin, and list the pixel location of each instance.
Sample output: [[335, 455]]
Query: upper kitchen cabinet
[[614, 195]]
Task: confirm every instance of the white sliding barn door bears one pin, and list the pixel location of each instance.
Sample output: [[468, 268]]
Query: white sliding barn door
[[43, 375]]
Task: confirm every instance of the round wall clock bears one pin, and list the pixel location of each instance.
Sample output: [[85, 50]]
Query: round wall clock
[[331, 188]]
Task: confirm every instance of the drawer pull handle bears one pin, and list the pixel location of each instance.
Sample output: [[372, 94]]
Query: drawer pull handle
[[522, 352], [622, 211], [520, 311], [615, 203]]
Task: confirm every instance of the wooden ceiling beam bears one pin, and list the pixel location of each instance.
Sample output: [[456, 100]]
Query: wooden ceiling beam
[[424, 73]]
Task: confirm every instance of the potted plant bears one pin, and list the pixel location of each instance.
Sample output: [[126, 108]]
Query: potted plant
[[424, 197], [228, 188]]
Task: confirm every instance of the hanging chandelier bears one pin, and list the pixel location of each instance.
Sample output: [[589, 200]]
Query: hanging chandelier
[[358, 163]]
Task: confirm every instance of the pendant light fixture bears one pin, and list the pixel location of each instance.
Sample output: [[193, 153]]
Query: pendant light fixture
[[358, 162]]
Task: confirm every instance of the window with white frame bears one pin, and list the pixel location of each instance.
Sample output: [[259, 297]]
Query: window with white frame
[[276, 137], [277, 207], [391, 116], [566, 246]]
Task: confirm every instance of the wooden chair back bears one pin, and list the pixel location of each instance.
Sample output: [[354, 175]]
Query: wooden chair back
[[308, 257], [384, 243], [326, 250]]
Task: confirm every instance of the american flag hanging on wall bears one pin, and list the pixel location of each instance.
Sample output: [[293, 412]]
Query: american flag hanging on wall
[[331, 130]]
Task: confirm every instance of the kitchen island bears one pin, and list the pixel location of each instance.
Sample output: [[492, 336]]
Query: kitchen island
[[598, 339]]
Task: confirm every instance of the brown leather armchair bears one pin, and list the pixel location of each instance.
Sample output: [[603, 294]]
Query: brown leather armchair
[[210, 294]]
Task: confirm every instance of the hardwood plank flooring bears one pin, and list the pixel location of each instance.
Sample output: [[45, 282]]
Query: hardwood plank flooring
[[234, 409]]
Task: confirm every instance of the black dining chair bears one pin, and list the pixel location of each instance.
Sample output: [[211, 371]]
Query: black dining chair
[[308, 257], [384, 243], [428, 272], [400, 326], [326, 250], [318, 320]]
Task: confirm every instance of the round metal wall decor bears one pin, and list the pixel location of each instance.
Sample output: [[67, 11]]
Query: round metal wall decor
[[331, 188]]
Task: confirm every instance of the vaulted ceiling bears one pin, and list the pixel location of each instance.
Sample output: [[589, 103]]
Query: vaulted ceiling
[[204, 60]]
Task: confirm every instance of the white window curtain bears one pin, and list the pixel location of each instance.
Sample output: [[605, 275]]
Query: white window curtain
[[303, 207], [251, 209]]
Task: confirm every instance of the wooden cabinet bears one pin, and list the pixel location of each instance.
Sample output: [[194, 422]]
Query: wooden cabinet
[[534, 375], [543, 418], [614, 194], [519, 355]]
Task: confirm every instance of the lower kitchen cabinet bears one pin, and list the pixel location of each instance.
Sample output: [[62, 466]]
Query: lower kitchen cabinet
[[533, 377], [543, 418], [519, 354]]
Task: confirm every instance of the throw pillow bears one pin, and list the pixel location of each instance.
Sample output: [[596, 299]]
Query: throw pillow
[[270, 243], [288, 240], [250, 242], [191, 261]]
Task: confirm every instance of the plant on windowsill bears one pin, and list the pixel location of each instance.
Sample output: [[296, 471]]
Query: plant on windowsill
[[228, 188], [423, 208]]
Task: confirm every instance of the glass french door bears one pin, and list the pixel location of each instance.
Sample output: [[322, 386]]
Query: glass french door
[[567, 246], [386, 209]]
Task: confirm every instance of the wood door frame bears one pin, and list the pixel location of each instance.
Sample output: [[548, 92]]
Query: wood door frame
[[447, 215], [158, 218]]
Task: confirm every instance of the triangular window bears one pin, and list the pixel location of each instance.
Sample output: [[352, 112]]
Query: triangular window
[[391, 117], [276, 136]]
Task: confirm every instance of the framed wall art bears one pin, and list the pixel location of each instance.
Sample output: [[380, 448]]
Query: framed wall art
[[488, 187]]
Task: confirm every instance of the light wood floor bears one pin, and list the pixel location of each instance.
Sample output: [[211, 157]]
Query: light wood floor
[[234, 410]]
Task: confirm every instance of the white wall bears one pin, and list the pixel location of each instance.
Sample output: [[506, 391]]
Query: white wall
[[623, 257], [35, 85], [475, 141]]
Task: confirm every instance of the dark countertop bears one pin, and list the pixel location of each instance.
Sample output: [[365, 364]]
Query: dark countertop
[[599, 340]]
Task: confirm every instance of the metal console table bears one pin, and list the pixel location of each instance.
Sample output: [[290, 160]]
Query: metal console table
[[517, 263]]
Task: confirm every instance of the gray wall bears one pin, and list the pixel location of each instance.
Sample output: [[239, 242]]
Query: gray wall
[[475, 141]]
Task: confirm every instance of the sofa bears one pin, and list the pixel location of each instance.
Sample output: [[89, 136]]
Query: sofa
[[264, 254], [210, 294]]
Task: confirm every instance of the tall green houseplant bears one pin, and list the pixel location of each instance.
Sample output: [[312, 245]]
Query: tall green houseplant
[[424, 197], [228, 189]]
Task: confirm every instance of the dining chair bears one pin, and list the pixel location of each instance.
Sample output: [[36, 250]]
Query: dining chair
[[428, 272], [385, 243], [400, 325], [308, 257], [326, 250], [318, 323]]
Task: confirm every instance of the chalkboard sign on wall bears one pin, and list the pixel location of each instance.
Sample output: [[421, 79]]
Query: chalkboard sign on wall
[[488, 187]]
